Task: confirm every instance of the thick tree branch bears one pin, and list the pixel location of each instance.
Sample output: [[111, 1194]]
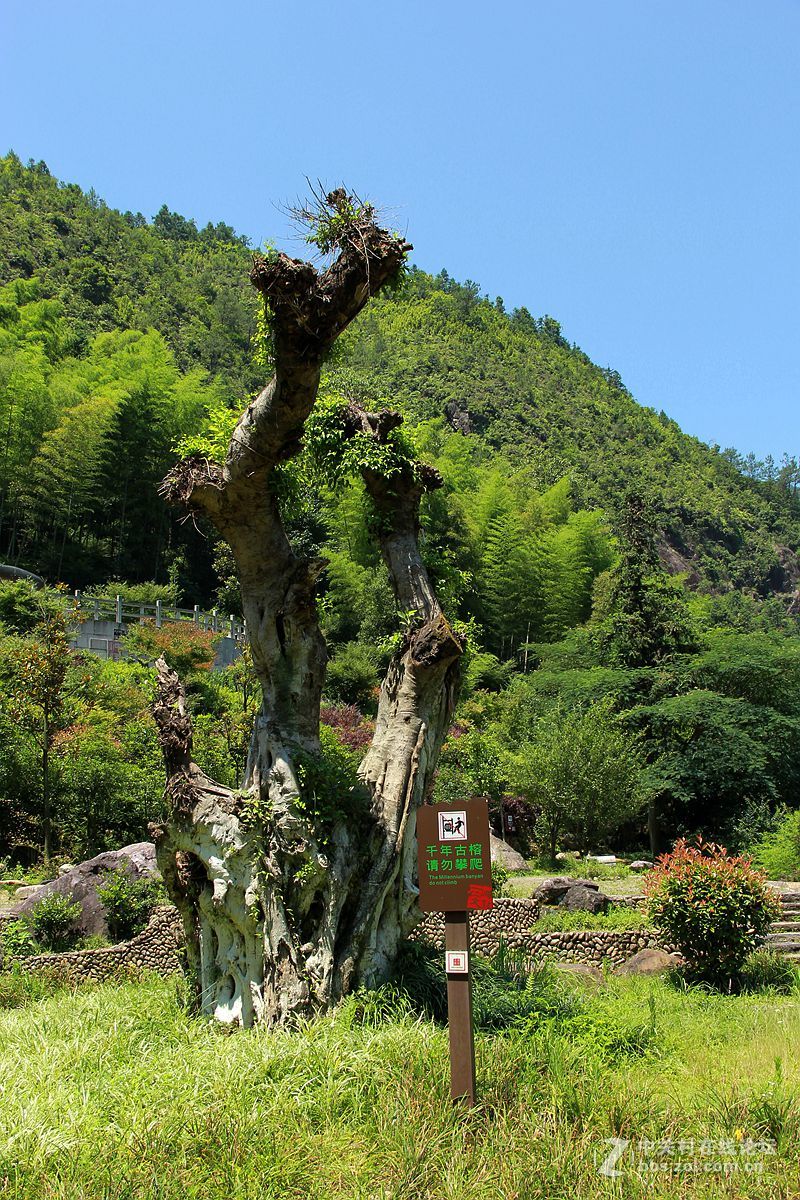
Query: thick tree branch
[[396, 498]]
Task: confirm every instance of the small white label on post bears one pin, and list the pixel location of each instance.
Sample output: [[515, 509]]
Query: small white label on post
[[457, 962]]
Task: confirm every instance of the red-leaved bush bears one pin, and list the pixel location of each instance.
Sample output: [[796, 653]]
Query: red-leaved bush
[[351, 727], [712, 906]]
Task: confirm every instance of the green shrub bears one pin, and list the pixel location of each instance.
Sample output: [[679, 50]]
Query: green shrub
[[558, 920], [54, 923], [128, 903], [777, 853], [507, 992], [16, 940], [767, 970], [714, 907], [351, 676], [500, 877]]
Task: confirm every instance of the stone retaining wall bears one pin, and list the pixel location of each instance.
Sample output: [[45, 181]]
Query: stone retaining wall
[[592, 945], [510, 921], [157, 948]]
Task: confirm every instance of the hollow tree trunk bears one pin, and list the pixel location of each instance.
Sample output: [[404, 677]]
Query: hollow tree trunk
[[289, 905]]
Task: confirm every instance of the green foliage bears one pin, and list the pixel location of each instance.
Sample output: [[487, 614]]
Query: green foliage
[[329, 787], [560, 920], [352, 676], [16, 940], [121, 340], [471, 765], [715, 754], [715, 908], [777, 854], [184, 646], [507, 992], [128, 902], [583, 772], [54, 922], [337, 453], [23, 605], [769, 970], [212, 441], [20, 988], [334, 219], [643, 618], [590, 869], [500, 878], [104, 767]]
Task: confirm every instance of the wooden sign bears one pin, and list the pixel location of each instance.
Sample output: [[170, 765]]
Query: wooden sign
[[453, 856], [455, 875]]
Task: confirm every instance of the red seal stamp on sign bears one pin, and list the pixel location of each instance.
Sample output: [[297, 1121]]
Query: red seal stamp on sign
[[479, 895]]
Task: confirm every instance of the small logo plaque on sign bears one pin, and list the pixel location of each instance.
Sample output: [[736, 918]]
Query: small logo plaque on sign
[[457, 962], [452, 826]]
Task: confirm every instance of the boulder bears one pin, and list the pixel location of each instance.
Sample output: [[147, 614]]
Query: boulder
[[506, 855], [641, 864], [81, 883], [550, 891], [649, 962], [580, 898], [583, 971]]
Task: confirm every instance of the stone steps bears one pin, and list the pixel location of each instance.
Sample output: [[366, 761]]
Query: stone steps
[[784, 934]]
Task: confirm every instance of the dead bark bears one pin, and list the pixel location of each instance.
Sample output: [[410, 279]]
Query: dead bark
[[287, 908]]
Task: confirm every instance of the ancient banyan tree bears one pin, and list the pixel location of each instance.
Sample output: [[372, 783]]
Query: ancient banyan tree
[[290, 900]]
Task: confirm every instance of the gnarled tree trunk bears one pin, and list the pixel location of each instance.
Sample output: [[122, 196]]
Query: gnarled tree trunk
[[285, 912]]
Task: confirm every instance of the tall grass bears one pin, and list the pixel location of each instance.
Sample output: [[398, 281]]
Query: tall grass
[[114, 1092]]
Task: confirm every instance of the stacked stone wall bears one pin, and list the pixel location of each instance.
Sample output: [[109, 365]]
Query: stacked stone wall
[[157, 948], [511, 921]]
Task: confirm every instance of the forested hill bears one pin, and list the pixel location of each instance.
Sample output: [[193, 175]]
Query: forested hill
[[118, 336]]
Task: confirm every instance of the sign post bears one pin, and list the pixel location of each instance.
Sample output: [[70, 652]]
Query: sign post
[[455, 876]]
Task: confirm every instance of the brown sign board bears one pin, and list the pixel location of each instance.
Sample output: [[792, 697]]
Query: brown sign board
[[454, 857]]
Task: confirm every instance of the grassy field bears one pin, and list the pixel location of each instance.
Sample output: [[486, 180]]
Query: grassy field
[[114, 1091], [620, 883]]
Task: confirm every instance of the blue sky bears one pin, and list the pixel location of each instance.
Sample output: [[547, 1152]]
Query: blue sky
[[630, 167]]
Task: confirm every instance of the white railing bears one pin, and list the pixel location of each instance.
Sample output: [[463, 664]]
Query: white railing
[[122, 612]]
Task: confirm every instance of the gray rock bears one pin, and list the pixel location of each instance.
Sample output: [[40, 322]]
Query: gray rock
[[641, 864], [649, 962], [581, 971], [506, 855], [580, 898], [81, 883], [550, 891], [29, 889]]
